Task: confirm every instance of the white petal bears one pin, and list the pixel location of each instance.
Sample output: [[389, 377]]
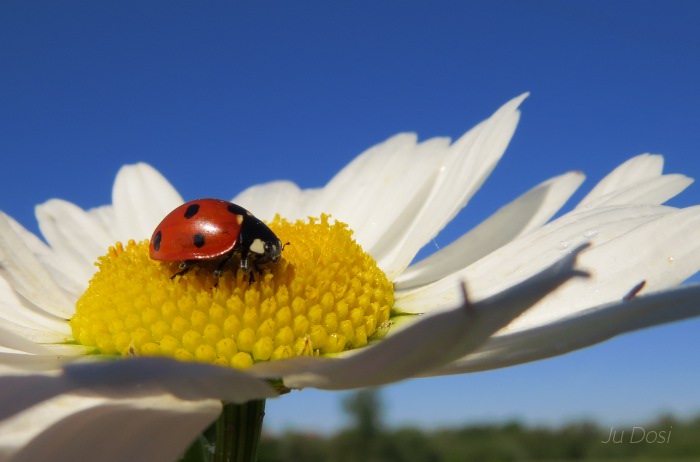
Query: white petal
[[20, 391], [105, 217], [20, 316], [585, 328], [44, 359], [635, 181], [469, 162], [527, 212], [11, 340], [148, 376], [130, 378], [278, 197], [30, 363], [380, 184], [658, 253], [639, 168], [141, 198], [63, 271], [424, 344], [398, 194], [74, 235], [38, 335], [26, 275], [393, 204], [75, 427], [529, 253], [652, 191]]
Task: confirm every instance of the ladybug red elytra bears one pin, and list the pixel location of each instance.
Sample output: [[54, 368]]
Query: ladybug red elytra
[[206, 229]]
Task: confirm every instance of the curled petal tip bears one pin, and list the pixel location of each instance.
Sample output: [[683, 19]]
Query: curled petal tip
[[573, 256], [581, 248], [468, 305], [632, 294], [581, 274]]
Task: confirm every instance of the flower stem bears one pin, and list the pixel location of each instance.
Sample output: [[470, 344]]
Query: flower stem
[[238, 432]]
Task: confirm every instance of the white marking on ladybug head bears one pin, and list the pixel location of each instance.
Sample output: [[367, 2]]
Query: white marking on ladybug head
[[239, 219], [257, 246], [273, 250]]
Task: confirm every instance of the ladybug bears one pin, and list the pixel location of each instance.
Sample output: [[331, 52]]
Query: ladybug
[[208, 229]]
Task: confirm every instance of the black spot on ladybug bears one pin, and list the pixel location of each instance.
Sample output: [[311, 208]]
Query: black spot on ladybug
[[237, 210], [191, 211], [198, 240], [156, 241]]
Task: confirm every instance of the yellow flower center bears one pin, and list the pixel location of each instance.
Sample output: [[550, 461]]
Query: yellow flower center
[[325, 296]]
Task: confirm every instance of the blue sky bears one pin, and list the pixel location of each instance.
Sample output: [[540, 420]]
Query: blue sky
[[222, 95]]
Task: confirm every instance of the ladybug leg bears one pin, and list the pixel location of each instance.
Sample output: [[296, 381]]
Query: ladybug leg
[[256, 269], [220, 268], [250, 267], [184, 266], [244, 262], [245, 267]]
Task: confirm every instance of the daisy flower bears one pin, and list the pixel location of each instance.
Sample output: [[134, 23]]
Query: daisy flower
[[118, 360]]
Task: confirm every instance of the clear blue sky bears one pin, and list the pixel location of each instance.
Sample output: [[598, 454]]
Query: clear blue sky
[[219, 97]]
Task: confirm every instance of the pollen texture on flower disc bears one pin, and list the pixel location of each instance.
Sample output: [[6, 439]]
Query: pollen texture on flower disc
[[325, 296]]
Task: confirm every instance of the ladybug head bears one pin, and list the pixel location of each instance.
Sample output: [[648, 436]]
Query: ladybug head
[[267, 250], [261, 241]]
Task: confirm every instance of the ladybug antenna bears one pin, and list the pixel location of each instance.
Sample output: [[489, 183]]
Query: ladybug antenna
[[285, 245]]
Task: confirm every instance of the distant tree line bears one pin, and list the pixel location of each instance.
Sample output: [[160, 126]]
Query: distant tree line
[[368, 440]]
